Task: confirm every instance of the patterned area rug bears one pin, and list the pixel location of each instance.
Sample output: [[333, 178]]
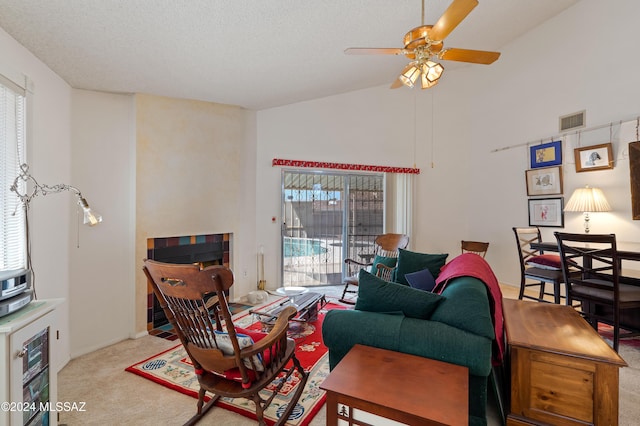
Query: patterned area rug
[[173, 369], [606, 331]]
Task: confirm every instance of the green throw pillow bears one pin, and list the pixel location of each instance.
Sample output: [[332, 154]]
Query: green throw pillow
[[409, 261], [383, 260], [378, 295], [386, 261]]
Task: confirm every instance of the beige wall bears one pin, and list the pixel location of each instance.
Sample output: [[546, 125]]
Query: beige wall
[[190, 161]]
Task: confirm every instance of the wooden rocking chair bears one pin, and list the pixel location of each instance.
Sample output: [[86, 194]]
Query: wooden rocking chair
[[386, 246], [228, 361]]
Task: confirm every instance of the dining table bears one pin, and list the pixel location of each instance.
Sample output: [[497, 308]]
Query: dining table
[[629, 253]]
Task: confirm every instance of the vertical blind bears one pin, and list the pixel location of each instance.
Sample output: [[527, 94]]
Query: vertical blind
[[12, 149]]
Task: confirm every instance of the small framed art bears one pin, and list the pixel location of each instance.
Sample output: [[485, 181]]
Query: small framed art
[[545, 181], [546, 212], [546, 154], [594, 157]]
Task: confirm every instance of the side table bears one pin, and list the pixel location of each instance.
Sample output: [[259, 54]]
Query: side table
[[562, 372], [402, 387]]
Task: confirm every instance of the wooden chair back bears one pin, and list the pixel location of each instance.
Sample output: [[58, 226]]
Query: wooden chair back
[[524, 237], [195, 303], [595, 257], [478, 247], [388, 244]]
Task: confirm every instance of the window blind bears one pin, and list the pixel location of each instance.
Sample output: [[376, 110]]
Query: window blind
[[13, 239]]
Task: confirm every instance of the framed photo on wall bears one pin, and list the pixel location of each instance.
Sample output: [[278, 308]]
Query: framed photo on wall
[[594, 157], [546, 212], [546, 154], [545, 181]]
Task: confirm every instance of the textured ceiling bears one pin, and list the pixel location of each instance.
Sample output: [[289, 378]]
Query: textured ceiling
[[255, 54]]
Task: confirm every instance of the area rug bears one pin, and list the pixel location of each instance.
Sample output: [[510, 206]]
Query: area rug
[[606, 331], [173, 369]]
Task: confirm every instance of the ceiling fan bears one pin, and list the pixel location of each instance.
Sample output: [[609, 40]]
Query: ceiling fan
[[424, 46]]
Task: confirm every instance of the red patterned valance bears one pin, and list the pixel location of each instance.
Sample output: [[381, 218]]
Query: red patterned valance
[[343, 166]]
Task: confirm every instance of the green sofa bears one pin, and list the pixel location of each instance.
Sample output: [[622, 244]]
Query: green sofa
[[455, 326]]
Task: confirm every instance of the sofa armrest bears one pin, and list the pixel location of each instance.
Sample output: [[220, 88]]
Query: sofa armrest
[[342, 329], [466, 306]]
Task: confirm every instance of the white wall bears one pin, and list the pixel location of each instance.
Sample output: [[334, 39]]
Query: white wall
[[103, 167], [465, 190], [49, 145], [579, 60]]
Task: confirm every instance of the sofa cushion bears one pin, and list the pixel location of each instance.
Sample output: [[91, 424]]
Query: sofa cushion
[[244, 341], [422, 280], [409, 261], [377, 295]]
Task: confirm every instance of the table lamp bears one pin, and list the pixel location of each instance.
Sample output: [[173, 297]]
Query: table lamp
[[587, 200]]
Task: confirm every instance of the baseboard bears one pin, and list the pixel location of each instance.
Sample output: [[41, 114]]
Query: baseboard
[[139, 335]]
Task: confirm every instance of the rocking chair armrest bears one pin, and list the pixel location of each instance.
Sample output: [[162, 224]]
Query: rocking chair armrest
[[355, 262], [277, 332]]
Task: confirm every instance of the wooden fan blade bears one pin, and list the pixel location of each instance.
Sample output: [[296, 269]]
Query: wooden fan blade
[[467, 55], [396, 84], [374, 51], [455, 13]]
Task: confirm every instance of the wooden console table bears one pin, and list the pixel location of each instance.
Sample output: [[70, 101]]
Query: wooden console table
[[561, 371], [402, 387]]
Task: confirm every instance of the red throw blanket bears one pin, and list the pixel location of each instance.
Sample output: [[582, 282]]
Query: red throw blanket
[[472, 265]]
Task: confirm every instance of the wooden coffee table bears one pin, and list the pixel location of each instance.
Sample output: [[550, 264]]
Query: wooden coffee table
[[405, 388]]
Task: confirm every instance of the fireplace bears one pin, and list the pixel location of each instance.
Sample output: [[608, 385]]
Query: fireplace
[[209, 249]]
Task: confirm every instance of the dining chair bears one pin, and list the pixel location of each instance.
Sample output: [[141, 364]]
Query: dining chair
[[228, 361], [537, 268], [384, 258], [597, 286], [477, 247]]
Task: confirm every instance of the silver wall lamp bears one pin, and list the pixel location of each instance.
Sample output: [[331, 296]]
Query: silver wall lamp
[[24, 180], [27, 187]]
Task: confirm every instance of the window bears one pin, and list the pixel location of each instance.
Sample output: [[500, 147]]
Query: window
[[13, 238], [328, 216]]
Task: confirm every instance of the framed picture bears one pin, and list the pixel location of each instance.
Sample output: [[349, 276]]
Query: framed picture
[[594, 157], [546, 154], [545, 181], [546, 212]]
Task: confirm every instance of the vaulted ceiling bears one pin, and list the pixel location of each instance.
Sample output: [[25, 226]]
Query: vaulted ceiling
[[255, 54]]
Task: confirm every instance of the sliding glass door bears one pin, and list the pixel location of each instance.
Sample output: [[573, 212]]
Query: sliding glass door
[[328, 217]]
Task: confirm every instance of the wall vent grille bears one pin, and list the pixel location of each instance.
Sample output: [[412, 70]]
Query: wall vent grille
[[573, 121]]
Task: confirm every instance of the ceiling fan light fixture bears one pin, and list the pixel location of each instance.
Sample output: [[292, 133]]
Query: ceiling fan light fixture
[[432, 70], [410, 74], [426, 83]]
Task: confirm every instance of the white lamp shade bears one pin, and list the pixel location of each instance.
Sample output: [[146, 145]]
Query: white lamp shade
[[587, 200]]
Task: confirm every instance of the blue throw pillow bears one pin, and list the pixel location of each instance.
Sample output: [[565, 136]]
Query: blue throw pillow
[[422, 280]]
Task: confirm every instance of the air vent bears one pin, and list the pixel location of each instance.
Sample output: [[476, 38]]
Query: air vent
[[573, 121]]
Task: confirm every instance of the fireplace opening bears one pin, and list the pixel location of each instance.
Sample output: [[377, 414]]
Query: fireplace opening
[[206, 250]]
